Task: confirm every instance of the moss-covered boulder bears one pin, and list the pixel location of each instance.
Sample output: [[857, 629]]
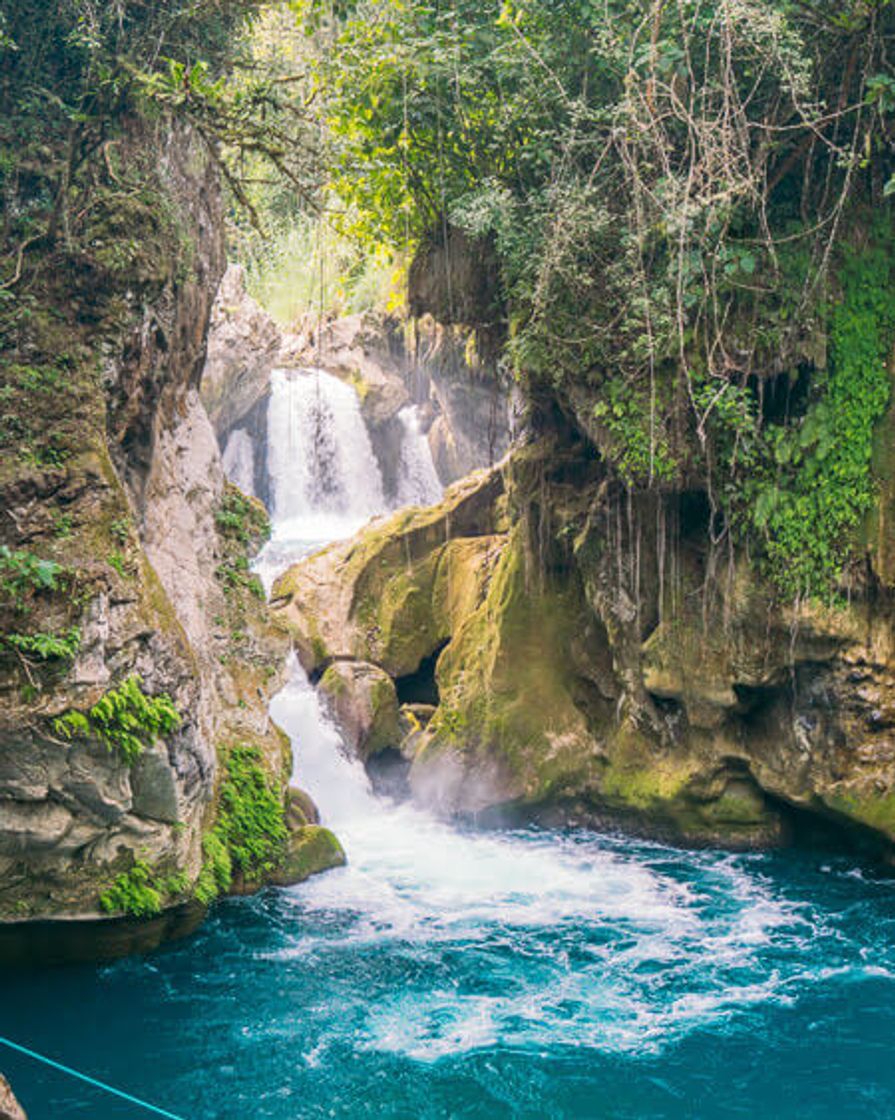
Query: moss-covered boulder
[[311, 850], [364, 703], [392, 595]]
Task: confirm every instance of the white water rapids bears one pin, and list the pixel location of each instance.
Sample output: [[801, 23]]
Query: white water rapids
[[582, 925]]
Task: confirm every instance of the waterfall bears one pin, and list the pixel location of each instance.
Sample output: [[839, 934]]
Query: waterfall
[[324, 478], [418, 482], [325, 481], [525, 939], [238, 461]]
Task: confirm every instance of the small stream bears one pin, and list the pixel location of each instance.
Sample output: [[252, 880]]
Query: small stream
[[446, 973]]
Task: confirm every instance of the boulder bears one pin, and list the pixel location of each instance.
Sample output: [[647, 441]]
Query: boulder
[[364, 704], [392, 595], [300, 809], [311, 850], [10, 1109]]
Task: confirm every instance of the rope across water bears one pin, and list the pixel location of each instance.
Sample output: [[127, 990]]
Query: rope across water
[[89, 1080]]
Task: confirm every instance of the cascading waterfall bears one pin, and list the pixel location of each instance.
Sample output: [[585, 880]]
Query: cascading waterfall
[[325, 481], [505, 976], [512, 976], [575, 940], [418, 482], [324, 478]]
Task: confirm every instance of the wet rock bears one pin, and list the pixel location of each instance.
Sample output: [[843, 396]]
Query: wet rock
[[10, 1109], [300, 808], [311, 850], [154, 787], [364, 703]]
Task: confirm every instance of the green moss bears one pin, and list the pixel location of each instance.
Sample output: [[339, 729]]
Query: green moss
[[818, 485], [249, 835], [875, 810], [217, 869], [639, 784], [313, 849], [504, 684]]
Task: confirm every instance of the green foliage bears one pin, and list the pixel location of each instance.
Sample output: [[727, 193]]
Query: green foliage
[[23, 574], [812, 499], [307, 265], [235, 576], [142, 891], [670, 203], [249, 835], [242, 519], [175, 884], [134, 892], [72, 725], [126, 720], [120, 530], [217, 870], [117, 562], [639, 449], [46, 647], [251, 820]]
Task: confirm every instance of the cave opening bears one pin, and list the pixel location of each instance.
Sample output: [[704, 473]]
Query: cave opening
[[421, 687], [782, 397]]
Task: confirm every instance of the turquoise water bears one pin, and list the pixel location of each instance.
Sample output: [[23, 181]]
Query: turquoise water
[[525, 975], [519, 975]]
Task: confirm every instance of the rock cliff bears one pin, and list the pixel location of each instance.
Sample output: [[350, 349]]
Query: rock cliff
[[465, 412], [136, 649], [593, 660]]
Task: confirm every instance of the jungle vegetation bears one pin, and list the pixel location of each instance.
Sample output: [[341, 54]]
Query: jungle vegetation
[[687, 205]]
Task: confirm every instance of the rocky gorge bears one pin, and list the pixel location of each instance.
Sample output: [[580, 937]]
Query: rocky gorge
[[447, 566], [122, 745]]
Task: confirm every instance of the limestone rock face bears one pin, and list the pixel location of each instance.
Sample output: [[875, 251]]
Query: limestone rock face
[[364, 703], [577, 683], [244, 344], [151, 581], [10, 1109]]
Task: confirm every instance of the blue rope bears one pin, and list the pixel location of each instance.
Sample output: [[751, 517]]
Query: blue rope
[[90, 1080]]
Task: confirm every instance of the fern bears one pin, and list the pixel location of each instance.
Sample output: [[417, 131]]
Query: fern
[[126, 720]]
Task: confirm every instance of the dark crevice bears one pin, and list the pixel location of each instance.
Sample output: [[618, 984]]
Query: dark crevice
[[782, 397], [421, 687]]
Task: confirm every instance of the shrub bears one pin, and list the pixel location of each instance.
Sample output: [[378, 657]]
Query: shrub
[[22, 574]]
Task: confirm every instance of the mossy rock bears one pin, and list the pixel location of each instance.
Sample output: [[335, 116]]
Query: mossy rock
[[393, 593], [364, 703], [312, 850], [507, 714], [300, 809]]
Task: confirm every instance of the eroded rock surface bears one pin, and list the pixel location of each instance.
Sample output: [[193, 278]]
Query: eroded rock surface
[[10, 1109], [577, 682], [125, 567]]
